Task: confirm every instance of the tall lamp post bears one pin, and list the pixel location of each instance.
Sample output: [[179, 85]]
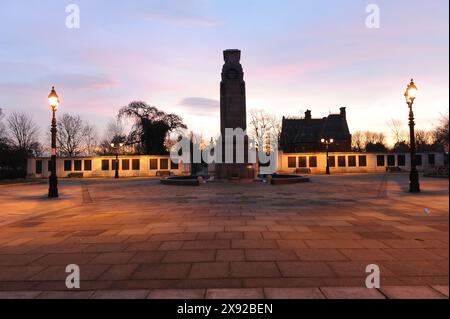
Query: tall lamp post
[[116, 147], [327, 142], [410, 95], [53, 179]]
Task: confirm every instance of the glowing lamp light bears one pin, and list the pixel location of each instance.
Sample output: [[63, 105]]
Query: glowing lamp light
[[411, 92], [53, 99], [327, 140]]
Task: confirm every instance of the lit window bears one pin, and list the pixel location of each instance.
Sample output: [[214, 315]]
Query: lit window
[[77, 165], [38, 167], [352, 161], [341, 161], [125, 164], [292, 162], [313, 161], [362, 160], [380, 160], [401, 160], [302, 161], [431, 160], [67, 165], [88, 165], [153, 164], [391, 160], [105, 165], [163, 163], [136, 164]]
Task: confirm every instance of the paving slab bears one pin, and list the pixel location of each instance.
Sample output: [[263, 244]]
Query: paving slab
[[234, 293], [351, 293], [19, 294], [442, 289], [293, 293], [419, 292], [177, 294], [226, 236], [121, 294]]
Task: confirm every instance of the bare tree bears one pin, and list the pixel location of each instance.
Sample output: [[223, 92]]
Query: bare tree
[[380, 138], [114, 133], [399, 134], [374, 137], [441, 132], [369, 137], [424, 139], [264, 128], [368, 141], [70, 135], [198, 140], [90, 139], [276, 125], [115, 130], [358, 141], [3, 137], [38, 149], [22, 131]]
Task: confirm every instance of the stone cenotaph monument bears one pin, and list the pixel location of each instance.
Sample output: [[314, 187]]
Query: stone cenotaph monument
[[233, 116]]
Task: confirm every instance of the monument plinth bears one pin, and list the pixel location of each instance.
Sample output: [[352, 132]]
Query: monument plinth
[[233, 115]]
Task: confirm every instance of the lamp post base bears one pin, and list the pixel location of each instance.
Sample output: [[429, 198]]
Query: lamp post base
[[116, 174], [53, 180], [414, 186], [52, 194], [53, 189]]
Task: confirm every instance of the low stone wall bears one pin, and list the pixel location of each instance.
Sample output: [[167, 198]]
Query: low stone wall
[[181, 181], [355, 162], [104, 166], [278, 179]]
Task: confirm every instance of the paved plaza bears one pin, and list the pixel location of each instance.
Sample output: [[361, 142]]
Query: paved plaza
[[137, 238]]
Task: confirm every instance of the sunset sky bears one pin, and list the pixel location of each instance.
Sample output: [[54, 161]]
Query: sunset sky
[[296, 55]]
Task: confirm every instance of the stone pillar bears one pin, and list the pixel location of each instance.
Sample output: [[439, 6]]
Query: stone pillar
[[233, 115]]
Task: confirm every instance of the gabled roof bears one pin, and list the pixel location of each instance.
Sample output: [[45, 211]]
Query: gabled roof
[[310, 131], [335, 126]]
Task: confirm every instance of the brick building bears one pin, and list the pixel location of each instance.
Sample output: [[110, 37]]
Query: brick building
[[304, 135]]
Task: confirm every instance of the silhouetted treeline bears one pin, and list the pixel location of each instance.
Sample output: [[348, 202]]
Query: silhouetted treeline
[[434, 140], [18, 140]]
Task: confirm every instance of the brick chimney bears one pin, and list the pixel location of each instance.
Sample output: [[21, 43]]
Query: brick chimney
[[308, 115], [343, 113]]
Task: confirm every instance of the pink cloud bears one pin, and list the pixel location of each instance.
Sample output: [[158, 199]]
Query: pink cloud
[[183, 20], [85, 81], [293, 69]]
